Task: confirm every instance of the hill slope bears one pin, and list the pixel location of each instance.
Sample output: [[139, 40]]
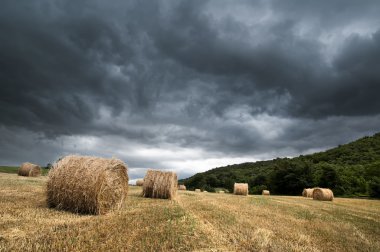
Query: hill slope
[[351, 170]]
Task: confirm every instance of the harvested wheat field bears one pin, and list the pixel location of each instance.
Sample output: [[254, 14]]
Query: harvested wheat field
[[193, 222]]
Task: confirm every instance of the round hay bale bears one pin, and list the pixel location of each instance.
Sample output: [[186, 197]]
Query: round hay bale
[[241, 189], [159, 184], [91, 185], [197, 190], [182, 187], [221, 191], [140, 182], [323, 194], [29, 170], [265, 192], [307, 192]]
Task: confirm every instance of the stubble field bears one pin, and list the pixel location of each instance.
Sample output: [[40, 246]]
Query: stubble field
[[194, 222]]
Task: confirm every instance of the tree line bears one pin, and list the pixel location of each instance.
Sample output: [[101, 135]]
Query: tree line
[[349, 170]]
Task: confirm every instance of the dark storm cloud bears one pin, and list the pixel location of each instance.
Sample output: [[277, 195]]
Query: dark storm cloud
[[49, 67], [241, 79], [284, 61], [353, 84]]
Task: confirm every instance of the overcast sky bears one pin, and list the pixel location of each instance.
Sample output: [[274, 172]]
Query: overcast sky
[[186, 85]]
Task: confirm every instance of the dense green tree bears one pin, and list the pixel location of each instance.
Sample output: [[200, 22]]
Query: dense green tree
[[197, 181], [259, 180], [290, 177], [373, 170], [212, 180], [374, 187], [229, 184], [257, 189], [209, 188], [329, 177]]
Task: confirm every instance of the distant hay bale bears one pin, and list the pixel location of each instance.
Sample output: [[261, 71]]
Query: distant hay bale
[[241, 189], [205, 191], [83, 184], [323, 194], [197, 190], [159, 184], [308, 192], [221, 191], [140, 182], [182, 187], [266, 192], [29, 170]]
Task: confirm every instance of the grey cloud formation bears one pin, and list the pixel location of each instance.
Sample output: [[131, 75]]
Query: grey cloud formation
[[186, 85]]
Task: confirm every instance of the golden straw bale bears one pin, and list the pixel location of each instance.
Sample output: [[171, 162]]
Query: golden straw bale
[[159, 184], [265, 192], [140, 182], [308, 192], [182, 187], [197, 190], [221, 191], [241, 189], [323, 194], [83, 184], [29, 170]]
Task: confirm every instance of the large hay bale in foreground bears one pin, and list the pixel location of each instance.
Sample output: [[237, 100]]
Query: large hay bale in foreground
[[323, 194], [182, 187], [265, 192], [307, 192], [83, 184], [140, 182], [29, 170], [241, 189], [159, 184]]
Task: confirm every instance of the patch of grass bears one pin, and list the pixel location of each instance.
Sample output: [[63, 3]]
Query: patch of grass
[[304, 214], [14, 170], [260, 200], [190, 194], [9, 169]]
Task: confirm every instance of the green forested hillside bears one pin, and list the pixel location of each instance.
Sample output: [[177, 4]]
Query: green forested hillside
[[349, 170]]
